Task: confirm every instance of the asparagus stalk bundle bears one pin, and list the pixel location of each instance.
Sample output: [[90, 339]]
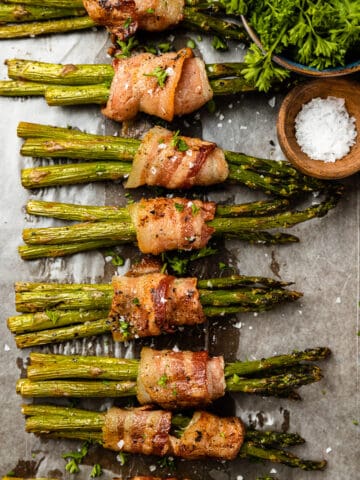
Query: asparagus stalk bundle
[[25, 18], [108, 226], [62, 422], [109, 158], [53, 313], [80, 84], [51, 375]]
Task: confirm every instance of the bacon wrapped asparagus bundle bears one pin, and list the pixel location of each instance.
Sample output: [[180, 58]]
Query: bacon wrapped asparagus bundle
[[140, 304], [157, 432], [159, 225], [172, 380], [175, 83], [163, 158], [24, 18]]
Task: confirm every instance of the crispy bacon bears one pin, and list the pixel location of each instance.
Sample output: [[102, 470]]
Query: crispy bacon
[[153, 304], [210, 436], [147, 431], [171, 224], [160, 162], [124, 17], [179, 379], [137, 430], [136, 87]]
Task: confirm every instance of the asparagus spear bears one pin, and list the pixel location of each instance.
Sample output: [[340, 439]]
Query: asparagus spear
[[63, 422], [91, 84], [21, 13], [194, 19], [42, 28], [86, 236], [271, 176], [58, 375], [59, 312]]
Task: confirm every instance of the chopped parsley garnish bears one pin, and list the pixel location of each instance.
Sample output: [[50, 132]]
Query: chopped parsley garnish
[[194, 209], [222, 265], [219, 44], [179, 143], [163, 380], [96, 471], [122, 458], [124, 328], [191, 44], [164, 47], [136, 301], [52, 316], [75, 458], [127, 22], [117, 261], [150, 10], [179, 207], [179, 263], [160, 74], [127, 47], [167, 462]]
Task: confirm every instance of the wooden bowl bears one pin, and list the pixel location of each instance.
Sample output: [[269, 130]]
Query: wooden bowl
[[298, 67], [292, 104]]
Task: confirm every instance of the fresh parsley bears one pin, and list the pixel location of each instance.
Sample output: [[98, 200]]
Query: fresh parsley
[[179, 207], [75, 458], [179, 143], [317, 34], [194, 209], [163, 380], [219, 44], [122, 458], [167, 462], [127, 47], [52, 316], [96, 471], [127, 23], [124, 328], [160, 74]]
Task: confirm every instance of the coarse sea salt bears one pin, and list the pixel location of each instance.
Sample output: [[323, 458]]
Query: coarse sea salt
[[324, 129]]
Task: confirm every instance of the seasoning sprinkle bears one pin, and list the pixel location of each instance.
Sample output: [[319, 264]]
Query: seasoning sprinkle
[[324, 129]]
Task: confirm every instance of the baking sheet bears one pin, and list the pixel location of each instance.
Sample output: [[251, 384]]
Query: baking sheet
[[325, 266]]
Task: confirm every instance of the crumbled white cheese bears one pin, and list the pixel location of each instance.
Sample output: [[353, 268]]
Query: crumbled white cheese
[[6, 347], [328, 450], [121, 444], [324, 129], [152, 468], [338, 300]]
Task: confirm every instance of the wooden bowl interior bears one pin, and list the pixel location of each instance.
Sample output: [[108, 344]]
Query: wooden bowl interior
[[292, 104]]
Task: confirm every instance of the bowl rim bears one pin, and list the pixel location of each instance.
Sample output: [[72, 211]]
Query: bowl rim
[[298, 67], [349, 164]]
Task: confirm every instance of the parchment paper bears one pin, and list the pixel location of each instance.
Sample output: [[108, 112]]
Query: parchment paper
[[325, 266]]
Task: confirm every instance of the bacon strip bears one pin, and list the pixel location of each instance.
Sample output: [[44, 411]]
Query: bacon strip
[[210, 436], [137, 430], [179, 379], [142, 430], [136, 88], [153, 304], [160, 162], [124, 17], [171, 224]]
